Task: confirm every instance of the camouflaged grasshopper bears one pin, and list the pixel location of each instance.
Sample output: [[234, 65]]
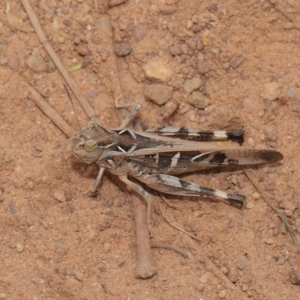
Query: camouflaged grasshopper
[[153, 157]]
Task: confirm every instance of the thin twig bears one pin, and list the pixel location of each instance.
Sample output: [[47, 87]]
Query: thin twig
[[50, 112], [286, 15], [106, 35], [146, 266], [280, 214], [174, 225], [169, 247], [235, 293], [56, 60]]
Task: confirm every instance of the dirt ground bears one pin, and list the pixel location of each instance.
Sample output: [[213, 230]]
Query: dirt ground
[[58, 243]]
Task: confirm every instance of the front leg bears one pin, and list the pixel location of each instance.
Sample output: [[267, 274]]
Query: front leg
[[172, 185]]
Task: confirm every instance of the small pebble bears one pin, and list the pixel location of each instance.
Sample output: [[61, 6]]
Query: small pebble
[[194, 226], [270, 133], [113, 3], [212, 7], [155, 69], [198, 100], [189, 24], [79, 275], [222, 294], [233, 275], [107, 247], [250, 142], [203, 279], [224, 270], [1, 196], [123, 49], [20, 247], [139, 33], [237, 61], [120, 261], [244, 287], [158, 93], [275, 231], [192, 43], [176, 50], [82, 50], [167, 10], [283, 99], [59, 195], [281, 261], [270, 91], [13, 63], [193, 84], [295, 275], [256, 196], [36, 63], [39, 147], [30, 185], [198, 213], [169, 109], [250, 205], [269, 241], [288, 25], [203, 67], [242, 262]]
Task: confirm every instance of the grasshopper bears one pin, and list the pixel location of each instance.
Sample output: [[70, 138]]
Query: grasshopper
[[154, 157]]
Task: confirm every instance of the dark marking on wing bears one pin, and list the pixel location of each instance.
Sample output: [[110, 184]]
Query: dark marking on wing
[[270, 156], [218, 158], [208, 190], [183, 130], [165, 159], [184, 184]]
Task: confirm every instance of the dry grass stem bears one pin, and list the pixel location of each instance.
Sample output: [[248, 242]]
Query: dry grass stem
[[56, 60]]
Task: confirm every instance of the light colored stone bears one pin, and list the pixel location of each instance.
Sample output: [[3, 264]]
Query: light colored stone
[[198, 100], [36, 63], [59, 195], [155, 69], [270, 91], [193, 84], [158, 93]]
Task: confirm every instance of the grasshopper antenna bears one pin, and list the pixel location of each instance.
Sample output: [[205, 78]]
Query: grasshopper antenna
[[73, 107]]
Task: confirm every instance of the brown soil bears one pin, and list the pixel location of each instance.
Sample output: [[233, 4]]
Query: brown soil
[[57, 243]]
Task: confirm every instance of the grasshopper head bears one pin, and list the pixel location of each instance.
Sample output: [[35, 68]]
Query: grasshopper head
[[90, 143]]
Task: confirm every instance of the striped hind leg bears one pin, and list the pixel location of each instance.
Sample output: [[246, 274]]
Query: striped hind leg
[[172, 185]]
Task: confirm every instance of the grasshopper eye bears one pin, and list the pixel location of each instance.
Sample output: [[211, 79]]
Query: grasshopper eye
[[90, 145]]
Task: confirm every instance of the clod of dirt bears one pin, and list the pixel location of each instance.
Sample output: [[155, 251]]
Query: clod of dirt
[[176, 50], [59, 195], [270, 91], [193, 84], [113, 3], [295, 275], [203, 67], [198, 100], [158, 93], [123, 49], [36, 63], [155, 69], [167, 10]]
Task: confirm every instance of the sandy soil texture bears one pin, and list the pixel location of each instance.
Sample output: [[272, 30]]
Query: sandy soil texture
[[199, 64]]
